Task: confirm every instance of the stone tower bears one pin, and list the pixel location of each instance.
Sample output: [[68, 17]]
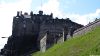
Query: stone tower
[[34, 32]]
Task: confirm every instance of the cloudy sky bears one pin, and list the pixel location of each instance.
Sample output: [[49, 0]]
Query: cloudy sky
[[80, 11]]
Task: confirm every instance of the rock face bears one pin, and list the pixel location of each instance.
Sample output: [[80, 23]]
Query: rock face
[[36, 31]]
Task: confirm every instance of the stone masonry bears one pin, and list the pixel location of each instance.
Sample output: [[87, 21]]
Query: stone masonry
[[34, 32], [87, 28]]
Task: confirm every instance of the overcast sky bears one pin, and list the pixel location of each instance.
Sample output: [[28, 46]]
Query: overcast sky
[[80, 11]]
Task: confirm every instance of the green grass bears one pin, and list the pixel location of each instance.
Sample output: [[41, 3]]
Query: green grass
[[85, 45]]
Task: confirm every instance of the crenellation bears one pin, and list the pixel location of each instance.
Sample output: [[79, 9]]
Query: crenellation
[[34, 32], [31, 14]]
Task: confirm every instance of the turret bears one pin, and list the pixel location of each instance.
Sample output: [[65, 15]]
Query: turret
[[31, 13], [26, 15], [51, 15], [17, 13], [40, 12]]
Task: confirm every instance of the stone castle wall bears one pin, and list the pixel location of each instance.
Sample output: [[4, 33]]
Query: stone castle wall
[[38, 32], [43, 43], [87, 28]]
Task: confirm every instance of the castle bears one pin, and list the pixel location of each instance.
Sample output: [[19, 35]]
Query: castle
[[34, 32]]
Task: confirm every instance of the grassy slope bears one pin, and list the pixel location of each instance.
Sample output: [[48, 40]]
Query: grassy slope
[[88, 44]]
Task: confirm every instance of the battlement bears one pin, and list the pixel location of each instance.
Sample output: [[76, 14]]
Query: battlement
[[34, 32], [19, 13]]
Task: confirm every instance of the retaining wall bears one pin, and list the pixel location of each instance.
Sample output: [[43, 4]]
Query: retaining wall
[[87, 28]]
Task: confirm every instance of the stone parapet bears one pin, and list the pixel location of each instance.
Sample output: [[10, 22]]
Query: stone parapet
[[87, 28]]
